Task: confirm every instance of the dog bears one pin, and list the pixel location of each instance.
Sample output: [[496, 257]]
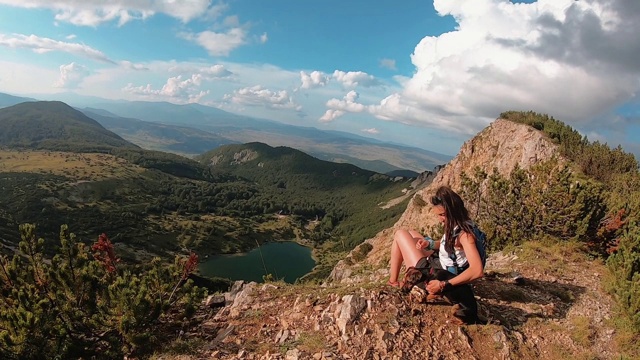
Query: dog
[[465, 307]]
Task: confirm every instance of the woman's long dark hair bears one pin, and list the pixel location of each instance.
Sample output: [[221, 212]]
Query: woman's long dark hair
[[455, 212]]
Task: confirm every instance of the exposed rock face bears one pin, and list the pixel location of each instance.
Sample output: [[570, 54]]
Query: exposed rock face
[[424, 178], [244, 156], [501, 145], [238, 158]]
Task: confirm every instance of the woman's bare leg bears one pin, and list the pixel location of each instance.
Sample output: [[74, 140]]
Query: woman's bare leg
[[404, 250]]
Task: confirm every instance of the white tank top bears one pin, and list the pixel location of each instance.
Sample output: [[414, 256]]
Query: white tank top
[[445, 260]]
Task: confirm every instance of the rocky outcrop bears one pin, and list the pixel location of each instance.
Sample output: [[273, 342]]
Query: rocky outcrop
[[501, 146], [535, 313]]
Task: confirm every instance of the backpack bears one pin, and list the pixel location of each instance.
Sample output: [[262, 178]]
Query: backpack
[[481, 244]]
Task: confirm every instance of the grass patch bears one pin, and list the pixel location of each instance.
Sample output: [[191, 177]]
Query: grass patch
[[559, 352], [626, 338], [179, 348], [78, 166], [312, 342], [283, 289], [546, 326], [551, 255], [583, 331], [253, 314], [360, 252]]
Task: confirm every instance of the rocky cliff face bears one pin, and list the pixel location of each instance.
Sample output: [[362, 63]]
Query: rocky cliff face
[[500, 146]]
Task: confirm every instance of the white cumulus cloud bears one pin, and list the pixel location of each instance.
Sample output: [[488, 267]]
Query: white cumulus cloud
[[259, 96], [176, 88], [313, 79], [348, 103], [355, 78], [71, 75], [95, 12], [330, 115], [216, 71], [219, 43], [338, 107], [571, 59]]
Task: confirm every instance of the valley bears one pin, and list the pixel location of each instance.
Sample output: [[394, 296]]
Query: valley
[[148, 212], [154, 203]]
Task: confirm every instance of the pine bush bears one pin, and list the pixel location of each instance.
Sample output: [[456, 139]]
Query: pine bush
[[624, 264], [82, 303]]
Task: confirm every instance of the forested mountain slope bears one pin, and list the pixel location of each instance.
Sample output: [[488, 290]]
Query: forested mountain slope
[[54, 126]]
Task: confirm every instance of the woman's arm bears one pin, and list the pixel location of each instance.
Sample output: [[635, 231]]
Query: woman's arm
[[474, 271]]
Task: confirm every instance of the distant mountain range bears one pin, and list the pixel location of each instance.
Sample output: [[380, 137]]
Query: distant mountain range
[[156, 136], [8, 100], [193, 129]]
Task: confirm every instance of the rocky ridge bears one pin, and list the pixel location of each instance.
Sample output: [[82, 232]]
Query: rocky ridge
[[541, 303]]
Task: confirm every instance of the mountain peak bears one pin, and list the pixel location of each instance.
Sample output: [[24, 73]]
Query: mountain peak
[[501, 146], [54, 125]]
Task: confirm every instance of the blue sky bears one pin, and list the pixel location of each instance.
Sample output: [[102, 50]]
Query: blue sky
[[425, 73]]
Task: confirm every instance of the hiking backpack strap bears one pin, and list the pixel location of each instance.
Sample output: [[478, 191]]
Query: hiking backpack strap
[[480, 240], [455, 269]]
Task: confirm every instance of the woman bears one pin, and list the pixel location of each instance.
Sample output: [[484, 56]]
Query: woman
[[413, 249]]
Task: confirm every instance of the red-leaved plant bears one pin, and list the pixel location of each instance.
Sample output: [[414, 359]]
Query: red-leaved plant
[[190, 266], [104, 252], [608, 231]]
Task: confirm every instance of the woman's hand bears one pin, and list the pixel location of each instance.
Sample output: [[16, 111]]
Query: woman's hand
[[434, 287], [425, 243]]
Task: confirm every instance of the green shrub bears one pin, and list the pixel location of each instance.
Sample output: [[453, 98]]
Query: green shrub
[[595, 159], [83, 303], [544, 201], [595, 199], [360, 252], [624, 265]]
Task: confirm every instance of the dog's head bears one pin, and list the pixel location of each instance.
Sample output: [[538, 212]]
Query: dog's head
[[413, 277]]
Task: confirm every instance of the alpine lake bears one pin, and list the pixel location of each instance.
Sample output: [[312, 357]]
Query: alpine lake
[[286, 260]]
